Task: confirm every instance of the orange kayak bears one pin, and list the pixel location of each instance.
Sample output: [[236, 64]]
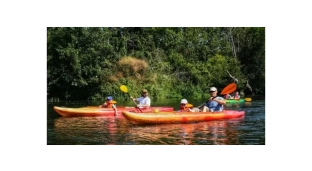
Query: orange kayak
[[97, 111], [180, 117]]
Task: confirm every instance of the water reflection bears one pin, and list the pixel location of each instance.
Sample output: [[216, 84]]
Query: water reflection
[[117, 130], [216, 133], [86, 130]]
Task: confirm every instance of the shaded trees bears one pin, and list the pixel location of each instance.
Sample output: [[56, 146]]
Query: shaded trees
[[89, 63]]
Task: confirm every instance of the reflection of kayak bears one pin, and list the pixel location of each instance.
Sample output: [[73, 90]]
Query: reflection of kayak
[[237, 100], [180, 117], [97, 111]]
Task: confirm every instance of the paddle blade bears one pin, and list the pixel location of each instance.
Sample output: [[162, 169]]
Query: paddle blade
[[229, 89], [248, 99], [189, 105], [124, 88]]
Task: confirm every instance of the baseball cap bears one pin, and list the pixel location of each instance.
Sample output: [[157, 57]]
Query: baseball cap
[[213, 89], [109, 98], [184, 101]]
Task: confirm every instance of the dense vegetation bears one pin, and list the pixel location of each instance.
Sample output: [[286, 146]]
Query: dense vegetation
[[91, 63]]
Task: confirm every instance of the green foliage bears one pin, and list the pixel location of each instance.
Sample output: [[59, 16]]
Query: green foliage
[[91, 63]]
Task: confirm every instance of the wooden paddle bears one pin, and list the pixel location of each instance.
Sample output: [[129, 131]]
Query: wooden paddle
[[124, 89], [227, 90]]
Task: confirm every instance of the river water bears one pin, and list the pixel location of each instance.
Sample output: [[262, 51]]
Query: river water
[[104, 130]]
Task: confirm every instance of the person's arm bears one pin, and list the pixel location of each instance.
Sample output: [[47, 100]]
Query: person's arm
[[143, 105], [220, 100], [190, 110], [103, 105], [115, 109], [134, 99]]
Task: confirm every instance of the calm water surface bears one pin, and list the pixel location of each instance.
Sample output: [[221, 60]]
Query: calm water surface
[[105, 130]]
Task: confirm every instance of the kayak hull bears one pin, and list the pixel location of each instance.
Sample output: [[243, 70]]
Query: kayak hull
[[97, 111], [248, 99], [180, 117], [234, 100]]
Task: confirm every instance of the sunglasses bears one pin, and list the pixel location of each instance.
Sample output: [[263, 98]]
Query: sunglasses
[[182, 104]]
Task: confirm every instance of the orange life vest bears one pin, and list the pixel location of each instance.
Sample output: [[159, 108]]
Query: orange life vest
[[110, 105], [184, 109]]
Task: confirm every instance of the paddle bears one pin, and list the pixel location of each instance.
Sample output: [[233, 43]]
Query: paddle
[[247, 99], [124, 89], [227, 90]]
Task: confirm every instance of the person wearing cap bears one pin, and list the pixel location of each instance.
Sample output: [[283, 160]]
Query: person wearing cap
[[183, 105], [186, 107], [144, 100], [214, 103], [109, 103]]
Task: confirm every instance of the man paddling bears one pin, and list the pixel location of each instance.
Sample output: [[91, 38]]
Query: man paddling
[[144, 100], [215, 103]]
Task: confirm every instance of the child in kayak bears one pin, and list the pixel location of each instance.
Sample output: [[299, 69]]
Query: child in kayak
[[228, 96], [236, 96], [144, 100], [109, 103], [215, 103], [186, 107]]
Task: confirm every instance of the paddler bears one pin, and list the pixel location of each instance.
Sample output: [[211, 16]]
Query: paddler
[[109, 103], [144, 100], [214, 103], [186, 107]]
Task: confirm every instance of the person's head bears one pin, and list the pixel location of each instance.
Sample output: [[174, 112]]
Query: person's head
[[236, 93], [109, 99], [183, 103], [213, 91], [144, 93]]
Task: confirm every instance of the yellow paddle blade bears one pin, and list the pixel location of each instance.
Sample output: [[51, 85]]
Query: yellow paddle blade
[[189, 105], [248, 99], [124, 88]]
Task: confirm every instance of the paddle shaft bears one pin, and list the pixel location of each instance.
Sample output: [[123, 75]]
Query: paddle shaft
[[124, 89], [134, 102], [201, 105], [206, 102]]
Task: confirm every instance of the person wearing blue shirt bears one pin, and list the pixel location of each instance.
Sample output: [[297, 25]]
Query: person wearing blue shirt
[[215, 103]]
